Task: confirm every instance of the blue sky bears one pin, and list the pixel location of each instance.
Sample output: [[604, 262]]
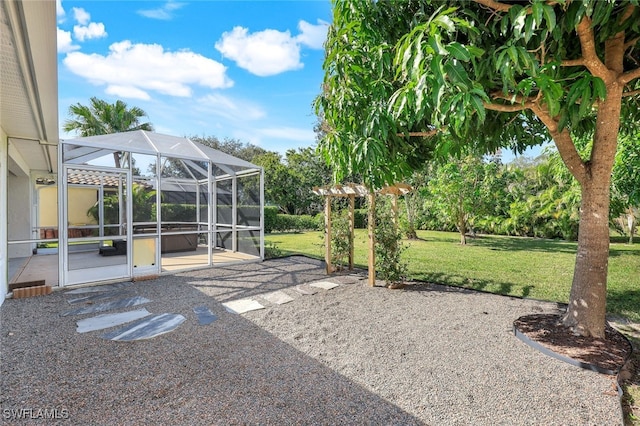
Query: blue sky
[[231, 69]]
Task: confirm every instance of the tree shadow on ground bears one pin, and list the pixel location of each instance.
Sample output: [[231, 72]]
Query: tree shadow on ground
[[197, 375], [523, 244], [623, 251], [247, 280], [489, 286], [624, 302]]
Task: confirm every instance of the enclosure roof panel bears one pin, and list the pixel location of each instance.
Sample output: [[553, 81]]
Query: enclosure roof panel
[[219, 157], [135, 141], [172, 146], [144, 142]]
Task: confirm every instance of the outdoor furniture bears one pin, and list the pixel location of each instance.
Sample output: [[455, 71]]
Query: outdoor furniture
[[172, 243]]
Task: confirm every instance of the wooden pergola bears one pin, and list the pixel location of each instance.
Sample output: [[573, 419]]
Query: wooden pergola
[[352, 191]]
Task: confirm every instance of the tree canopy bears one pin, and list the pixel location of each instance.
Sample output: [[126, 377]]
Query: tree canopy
[[409, 81], [102, 118]]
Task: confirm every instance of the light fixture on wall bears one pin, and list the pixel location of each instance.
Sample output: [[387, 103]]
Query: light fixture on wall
[[45, 181]]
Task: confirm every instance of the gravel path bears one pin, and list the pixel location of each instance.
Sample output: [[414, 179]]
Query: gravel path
[[350, 355]]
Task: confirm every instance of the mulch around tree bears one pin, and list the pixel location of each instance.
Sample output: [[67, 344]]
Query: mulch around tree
[[608, 354]]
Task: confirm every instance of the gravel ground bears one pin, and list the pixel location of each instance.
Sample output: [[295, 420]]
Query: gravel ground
[[351, 355]]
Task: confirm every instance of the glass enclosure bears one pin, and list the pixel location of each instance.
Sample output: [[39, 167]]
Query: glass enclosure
[[138, 204]]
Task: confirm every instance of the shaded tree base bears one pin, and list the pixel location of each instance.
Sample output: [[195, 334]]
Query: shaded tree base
[[607, 355]]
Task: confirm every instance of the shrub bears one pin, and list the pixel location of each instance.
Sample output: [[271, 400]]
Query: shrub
[[340, 239], [271, 250], [270, 218], [277, 222], [389, 247]]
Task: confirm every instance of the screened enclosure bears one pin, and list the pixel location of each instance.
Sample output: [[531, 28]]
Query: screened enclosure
[[138, 204]]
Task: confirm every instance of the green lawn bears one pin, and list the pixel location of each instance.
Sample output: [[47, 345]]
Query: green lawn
[[525, 267]]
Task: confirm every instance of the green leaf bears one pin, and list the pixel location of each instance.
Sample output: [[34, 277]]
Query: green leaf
[[586, 102], [477, 104], [435, 42], [536, 10], [457, 75], [438, 71], [513, 55], [529, 26], [475, 51], [599, 88], [445, 22], [549, 16], [459, 51], [575, 91]]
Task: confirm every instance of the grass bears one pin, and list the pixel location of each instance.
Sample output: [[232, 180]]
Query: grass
[[523, 267]]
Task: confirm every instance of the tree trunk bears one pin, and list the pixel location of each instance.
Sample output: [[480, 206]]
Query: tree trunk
[[631, 222], [116, 159], [586, 313], [411, 227], [587, 303], [462, 227]]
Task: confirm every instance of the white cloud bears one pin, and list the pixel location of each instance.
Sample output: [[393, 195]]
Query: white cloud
[[289, 133], [128, 92], [60, 13], [231, 109], [164, 13], [64, 42], [271, 52], [81, 16], [311, 35], [263, 53], [137, 69], [93, 30]]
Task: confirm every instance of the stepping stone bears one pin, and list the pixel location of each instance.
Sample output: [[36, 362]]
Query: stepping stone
[[305, 290], [98, 296], [146, 328], [326, 285], [98, 288], [116, 304], [110, 320], [278, 297], [205, 316], [241, 306]]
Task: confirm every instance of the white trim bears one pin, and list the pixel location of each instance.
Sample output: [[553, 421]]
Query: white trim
[[62, 219], [4, 259], [234, 213], [262, 214], [113, 272]]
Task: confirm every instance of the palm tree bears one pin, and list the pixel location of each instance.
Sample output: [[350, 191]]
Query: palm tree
[[102, 118]]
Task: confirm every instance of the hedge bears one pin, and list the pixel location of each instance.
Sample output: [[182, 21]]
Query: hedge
[[276, 222]]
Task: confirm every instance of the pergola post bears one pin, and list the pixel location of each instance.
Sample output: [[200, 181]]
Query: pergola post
[[394, 209], [352, 191], [372, 239], [352, 227], [327, 233]]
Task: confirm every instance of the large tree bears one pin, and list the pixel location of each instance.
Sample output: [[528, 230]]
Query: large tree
[[102, 118], [408, 80], [290, 180]]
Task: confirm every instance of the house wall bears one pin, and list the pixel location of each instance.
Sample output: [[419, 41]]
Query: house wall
[[48, 206], [80, 200], [4, 273], [19, 214]]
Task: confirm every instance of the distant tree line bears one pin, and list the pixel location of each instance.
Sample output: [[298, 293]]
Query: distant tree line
[[527, 197]]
